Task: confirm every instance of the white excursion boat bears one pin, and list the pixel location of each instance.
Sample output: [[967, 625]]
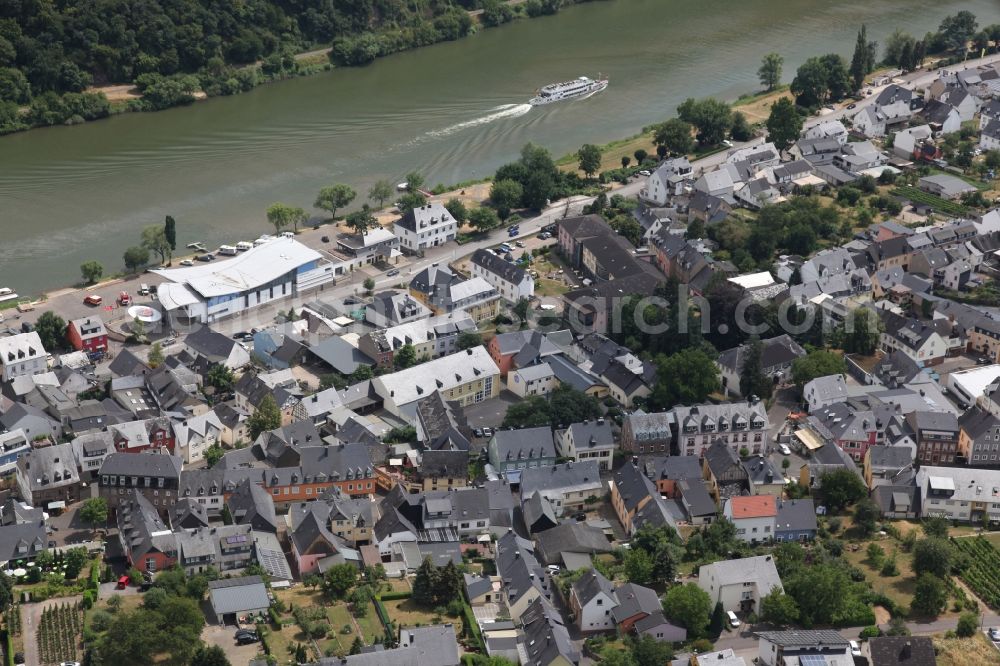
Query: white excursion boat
[[7, 294], [583, 86]]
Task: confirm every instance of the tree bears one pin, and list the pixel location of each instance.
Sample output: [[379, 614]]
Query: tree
[[741, 130], [266, 417], [589, 159], [770, 71], [6, 592], [405, 357], [784, 124], [357, 645], [135, 257], [154, 239], [753, 381], [505, 195], [817, 363], [626, 160], [866, 516], [935, 526], [687, 377], [638, 566], [414, 181], [840, 488], [213, 454], [818, 591], [51, 329], [95, 512], [362, 220], [368, 284], [711, 118], [863, 60], [675, 136], [930, 596], [968, 625], [221, 377], [210, 655], [282, 215], [647, 651], [779, 608], [810, 83], [457, 209], [865, 330], [411, 200], [690, 606], [380, 192], [957, 30], [339, 579], [932, 556], [483, 219], [468, 339], [640, 155], [335, 197], [155, 357], [718, 623], [170, 232], [91, 271]]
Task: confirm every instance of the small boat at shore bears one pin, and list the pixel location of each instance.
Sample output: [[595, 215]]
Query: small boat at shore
[[7, 294], [196, 246], [582, 86]]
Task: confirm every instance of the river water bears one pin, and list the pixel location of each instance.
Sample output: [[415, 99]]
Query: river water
[[453, 111]]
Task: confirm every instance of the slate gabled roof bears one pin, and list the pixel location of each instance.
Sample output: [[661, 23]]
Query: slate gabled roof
[[499, 266]]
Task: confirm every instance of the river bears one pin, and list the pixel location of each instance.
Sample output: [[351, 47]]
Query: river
[[453, 111]]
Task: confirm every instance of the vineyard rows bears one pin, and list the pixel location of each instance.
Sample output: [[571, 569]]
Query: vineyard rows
[[59, 634], [983, 573]]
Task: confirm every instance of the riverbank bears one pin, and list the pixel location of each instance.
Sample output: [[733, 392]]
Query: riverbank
[[162, 92]]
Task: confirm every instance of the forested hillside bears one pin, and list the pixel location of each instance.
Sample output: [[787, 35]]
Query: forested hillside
[[52, 50]]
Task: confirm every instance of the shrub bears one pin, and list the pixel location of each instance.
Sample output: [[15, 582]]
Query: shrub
[[870, 632]]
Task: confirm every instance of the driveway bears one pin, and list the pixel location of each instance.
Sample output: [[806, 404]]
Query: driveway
[[31, 619], [213, 634]]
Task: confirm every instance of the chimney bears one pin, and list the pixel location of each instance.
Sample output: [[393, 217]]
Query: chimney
[[906, 651]]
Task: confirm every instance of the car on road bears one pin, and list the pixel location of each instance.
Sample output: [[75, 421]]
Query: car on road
[[70, 663], [519, 244], [240, 335], [93, 300], [168, 341], [478, 432], [205, 257], [187, 262], [124, 299], [852, 105], [994, 634], [513, 232], [855, 649], [325, 239], [727, 143], [18, 659], [393, 273], [487, 432], [785, 451], [644, 172]]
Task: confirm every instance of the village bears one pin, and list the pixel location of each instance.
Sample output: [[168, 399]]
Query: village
[[552, 444]]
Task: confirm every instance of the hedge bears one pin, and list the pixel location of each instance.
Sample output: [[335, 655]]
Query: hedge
[[262, 635], [383, 614], [8, 647], [392, 596], [471, 626], [95, 576], [275, 617]]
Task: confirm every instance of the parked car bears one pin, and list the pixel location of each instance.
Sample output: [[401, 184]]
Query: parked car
[[478, 432], [240, 335], [995, 634], [580, 517], [785, 451], [644, 172], [393, 273], [325, 239], [519, 244], [168, 341], [855, 649], [19, 659], [544, 235], [93, 299], [733, 620], [852, 105], [245, 637], [487, 432], [187, 262], [124, 299], [205, 257], [727, 143]]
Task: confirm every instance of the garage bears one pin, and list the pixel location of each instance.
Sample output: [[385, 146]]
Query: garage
[[238, 600]]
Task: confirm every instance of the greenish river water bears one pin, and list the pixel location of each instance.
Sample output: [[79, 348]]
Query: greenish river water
[[454, 111]]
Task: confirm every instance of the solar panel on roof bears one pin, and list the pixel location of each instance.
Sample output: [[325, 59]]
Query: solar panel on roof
[[812, 660]]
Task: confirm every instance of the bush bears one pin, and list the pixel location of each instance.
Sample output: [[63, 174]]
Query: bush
[[968, 623], [870, 632], [393, 596]]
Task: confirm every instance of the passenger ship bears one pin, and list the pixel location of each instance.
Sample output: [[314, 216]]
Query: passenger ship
[[583, 86]]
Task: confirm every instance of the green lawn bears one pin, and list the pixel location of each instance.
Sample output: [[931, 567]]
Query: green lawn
[[405, 613]]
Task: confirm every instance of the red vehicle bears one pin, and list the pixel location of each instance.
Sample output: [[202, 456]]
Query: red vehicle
[[93, 299], [124, 299], [123, 582]]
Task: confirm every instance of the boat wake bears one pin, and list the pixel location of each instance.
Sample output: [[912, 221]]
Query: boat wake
[[498, 113]]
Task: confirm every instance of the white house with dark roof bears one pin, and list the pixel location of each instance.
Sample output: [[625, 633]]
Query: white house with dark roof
[[989, 136], [738, 424], [592, 600], [22, 354], [514, 450], [425, 226], [512, 281], [824, 391], [467, 377], [589, 440], [216, 348], [566, 486], [777, 355], [739, 585]]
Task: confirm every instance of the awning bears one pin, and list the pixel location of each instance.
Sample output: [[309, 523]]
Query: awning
[[809, 439], [57, 505], [513, 475], [484, 538]]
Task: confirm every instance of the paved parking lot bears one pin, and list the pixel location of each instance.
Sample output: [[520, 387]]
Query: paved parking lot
[[490, 413], [213, 634]]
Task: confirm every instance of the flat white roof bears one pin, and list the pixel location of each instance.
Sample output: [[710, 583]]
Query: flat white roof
[[975, 380], [243, 272], [173, 296], [441, 374], [471, 287], [753, 280], [941, 482]]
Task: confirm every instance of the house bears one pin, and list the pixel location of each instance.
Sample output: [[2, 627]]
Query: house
[[195, 435], [236, 598], [540, 379], [234, 427], [718, 183], [795, 520], [441, 470], [425, 226], [514, 349], [753, 517], [567, 486], [87, 334], [883, 463], [13, 445], [739, 585], [647, 433], [739, 424], [918, 340], [48, 477], [630, 491], [666, 181], [432, 337], [776, 357], [591, 601], [827, 129], [391, 308], [22, 354], [776, 648], [442, 424], [590, 440], [545, 640], [634, 603], [524, 580], [372, 245], [443, 291], [249, 504], [824, 391], [433, 645], [989, 136], [570, 540], [155, 475], [512, 281], [723, 470], [146, 435], [659, 628], [907, 143], [34, 422], [901, 651], [945, 186], [942, 117], [855, 158], [314, 544], [513, 450], [146, 540], [763, 476], [961, 494], [937, 436], [466, 377], [594, 248], [21, 541], [216, 348], [538, 513]]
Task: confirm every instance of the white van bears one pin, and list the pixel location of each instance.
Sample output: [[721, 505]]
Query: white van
[[227, 250], [243, 246], [287, 234], [733, 620], [144, 289]]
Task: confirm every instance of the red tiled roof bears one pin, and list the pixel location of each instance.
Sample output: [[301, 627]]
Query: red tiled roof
[[758, 506]]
